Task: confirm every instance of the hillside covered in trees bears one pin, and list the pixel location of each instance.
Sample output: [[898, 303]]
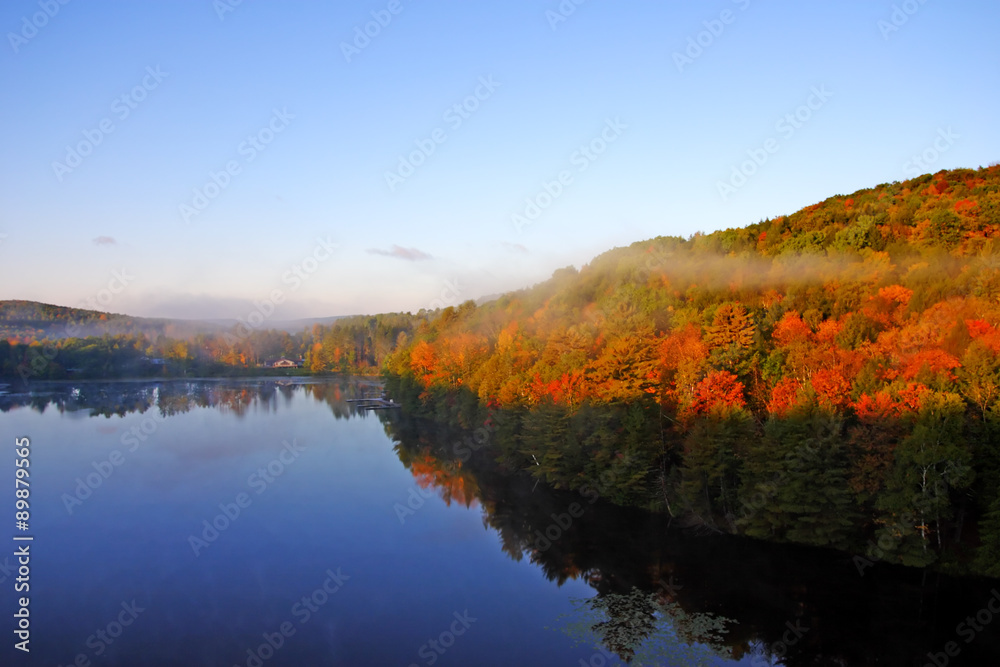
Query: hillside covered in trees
[[44, 342], [30, 320], [829, 377]]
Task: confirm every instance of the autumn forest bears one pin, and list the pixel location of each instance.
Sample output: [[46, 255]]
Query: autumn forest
[[829, 377]]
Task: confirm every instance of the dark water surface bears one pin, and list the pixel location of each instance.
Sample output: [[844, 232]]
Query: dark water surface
[[271, 523]]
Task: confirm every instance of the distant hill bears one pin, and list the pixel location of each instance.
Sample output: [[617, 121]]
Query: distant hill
[[32, 319], [294, 326]]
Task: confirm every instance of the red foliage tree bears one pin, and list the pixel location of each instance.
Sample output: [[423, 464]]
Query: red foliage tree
[[719, 392], [791, 329], [423, 360], [876, 408], [784, 397], [938, 362], [832, 388]]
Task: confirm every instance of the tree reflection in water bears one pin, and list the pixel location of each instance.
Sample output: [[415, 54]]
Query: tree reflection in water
[[173, 397], [673, 596], [648, 629], [724, 596]]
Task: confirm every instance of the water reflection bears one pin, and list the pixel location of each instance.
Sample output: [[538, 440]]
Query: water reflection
[[650, 629], [234, 397], [662, 595], [669, 596]]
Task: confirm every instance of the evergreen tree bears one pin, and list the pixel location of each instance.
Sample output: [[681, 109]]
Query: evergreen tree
[[931, 462], [988, 555], [795, 485], [710, 472]]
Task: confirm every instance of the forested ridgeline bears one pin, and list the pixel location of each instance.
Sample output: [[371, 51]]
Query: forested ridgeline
[[51, 343], [829, 377]]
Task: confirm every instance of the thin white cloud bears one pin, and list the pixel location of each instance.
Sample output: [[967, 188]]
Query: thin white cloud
[[105, 240], [399, 252]]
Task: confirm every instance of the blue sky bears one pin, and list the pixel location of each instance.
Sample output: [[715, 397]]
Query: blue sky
[[641, 121]]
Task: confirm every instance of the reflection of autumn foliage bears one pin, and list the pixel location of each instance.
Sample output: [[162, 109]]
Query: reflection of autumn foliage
[[449, 479]]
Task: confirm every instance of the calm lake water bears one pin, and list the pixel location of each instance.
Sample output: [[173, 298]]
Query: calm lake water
[[271, 523]]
